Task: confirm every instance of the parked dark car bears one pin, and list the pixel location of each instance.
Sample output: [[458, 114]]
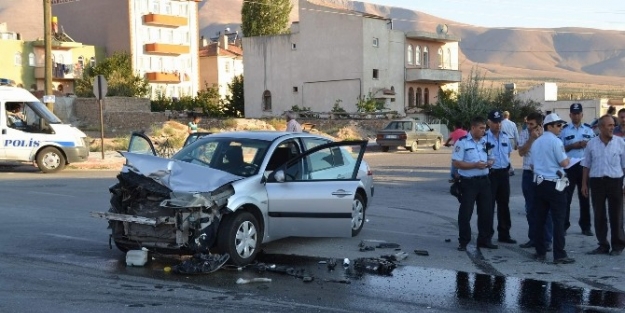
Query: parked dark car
[[410, 134]]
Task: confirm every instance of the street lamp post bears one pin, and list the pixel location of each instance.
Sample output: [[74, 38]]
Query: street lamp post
[[47, 29]]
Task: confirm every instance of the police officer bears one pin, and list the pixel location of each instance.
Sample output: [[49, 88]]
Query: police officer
[[471, 159], [548, 159], [499, 149], [574, 136]]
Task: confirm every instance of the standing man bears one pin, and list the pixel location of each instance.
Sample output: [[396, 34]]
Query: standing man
[[193, 125], [619, 130], [575, 136], [471, 159], [604, 160], [548, 160], [454, 136], [510, 128], [532, 131], [291, 124], [499, 149]]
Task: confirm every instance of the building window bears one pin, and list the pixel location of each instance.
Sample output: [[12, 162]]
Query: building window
[[168, 8], [441, 58], [31, 59], [419, 96], [393, 92], [448, 58], [426, 58], [81, 61], [426, 96], [61, 59], [293, 46], [267, 100], [227, 66], [376, 73], [18, 58], [409, 55], [156, 7], [410, 97], [92, 62], [376, 42], [183, 9], [417, 55], [295, 89]]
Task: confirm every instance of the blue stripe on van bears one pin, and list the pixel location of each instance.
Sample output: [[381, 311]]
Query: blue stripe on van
[[65, 143]]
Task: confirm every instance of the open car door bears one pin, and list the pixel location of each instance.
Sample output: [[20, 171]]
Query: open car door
[[141, 144], [194, 136], [312, 194]]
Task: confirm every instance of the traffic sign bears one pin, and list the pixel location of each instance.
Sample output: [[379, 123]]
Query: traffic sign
[[99, 87]]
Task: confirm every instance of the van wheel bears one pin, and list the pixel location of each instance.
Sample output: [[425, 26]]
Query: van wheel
[[50, 160], [239, 236]]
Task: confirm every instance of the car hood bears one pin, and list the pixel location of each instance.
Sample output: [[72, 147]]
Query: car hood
[[178, 176]]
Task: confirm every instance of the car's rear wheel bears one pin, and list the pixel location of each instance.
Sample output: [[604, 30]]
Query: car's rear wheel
[[50, 160], [437, 144], [413, 147], [240, 237], [358, 214], [385, 149]]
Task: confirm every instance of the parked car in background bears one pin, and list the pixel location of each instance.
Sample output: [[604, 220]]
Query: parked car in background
[[410, 134], [231, 192]]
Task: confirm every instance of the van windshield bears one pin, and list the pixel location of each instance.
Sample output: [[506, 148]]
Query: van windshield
[[41, 110]]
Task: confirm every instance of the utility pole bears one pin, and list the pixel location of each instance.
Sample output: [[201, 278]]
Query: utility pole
[[47, 29]]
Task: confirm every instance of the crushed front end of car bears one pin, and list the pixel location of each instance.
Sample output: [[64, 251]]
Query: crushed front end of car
[[167, 205]]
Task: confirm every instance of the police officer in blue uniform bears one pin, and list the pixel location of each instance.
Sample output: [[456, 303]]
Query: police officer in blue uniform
[[574, 136], [499, 149], [548, 160], [470, 157]]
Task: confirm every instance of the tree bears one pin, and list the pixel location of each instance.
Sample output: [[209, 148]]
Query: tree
[[121, 79], [234, 104], [208, 100], [265, 17]]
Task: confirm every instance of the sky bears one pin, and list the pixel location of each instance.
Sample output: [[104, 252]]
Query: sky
[[601, 14]]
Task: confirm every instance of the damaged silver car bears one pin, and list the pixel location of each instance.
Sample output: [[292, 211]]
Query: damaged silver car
[[232, 192]]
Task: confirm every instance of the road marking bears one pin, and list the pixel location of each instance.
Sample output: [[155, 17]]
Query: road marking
[[52, 194]]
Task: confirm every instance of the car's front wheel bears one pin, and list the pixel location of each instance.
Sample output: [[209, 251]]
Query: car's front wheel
[[358, 215], [240, 237], [437, 144], [50, 160]]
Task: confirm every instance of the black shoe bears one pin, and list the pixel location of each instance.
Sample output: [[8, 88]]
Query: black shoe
[[487, 245], [548, 247], [526, 245], [462, 247], [600, 250], [564, 260], [539, 257], [587, 232], [616, 252], [507, 240]]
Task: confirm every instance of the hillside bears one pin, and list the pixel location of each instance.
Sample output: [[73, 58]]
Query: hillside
[[595, 58]]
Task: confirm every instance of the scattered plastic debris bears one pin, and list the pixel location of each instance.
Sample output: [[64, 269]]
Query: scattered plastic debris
[[167, 269], [243, 281], [137, 257], [331, 264], [388, 245], [323, 262], [399, 256], [374, 266], [202, 263], [367, 248], [345, 262], [422, 252], [339, 281], [447, 240], [308, 279]]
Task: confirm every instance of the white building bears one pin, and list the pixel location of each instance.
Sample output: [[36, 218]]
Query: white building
[[220, 62], [336, 54], [161, 36]]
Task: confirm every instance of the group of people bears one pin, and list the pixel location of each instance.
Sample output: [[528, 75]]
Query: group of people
[[558, 158]]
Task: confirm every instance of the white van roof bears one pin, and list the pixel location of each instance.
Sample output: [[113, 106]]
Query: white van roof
[[8, 93]]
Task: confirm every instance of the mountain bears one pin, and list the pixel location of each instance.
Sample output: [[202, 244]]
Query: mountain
[[587, 56]]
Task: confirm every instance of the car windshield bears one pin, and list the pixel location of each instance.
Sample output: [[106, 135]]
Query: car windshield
[[399, 125], [237, 156]]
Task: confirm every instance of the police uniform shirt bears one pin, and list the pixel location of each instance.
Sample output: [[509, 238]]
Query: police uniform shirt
[[467, 150], [571, 134], [546, 154], [499, 149]]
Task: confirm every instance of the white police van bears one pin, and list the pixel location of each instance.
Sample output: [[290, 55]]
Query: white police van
[[30, 132]]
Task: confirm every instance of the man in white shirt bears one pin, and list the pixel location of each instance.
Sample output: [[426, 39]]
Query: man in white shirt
[[510, 128], [291, 124]]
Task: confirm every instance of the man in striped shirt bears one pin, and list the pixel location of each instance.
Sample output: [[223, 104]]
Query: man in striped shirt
[[603, 164]]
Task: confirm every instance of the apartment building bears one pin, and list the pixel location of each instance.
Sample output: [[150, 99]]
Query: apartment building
[[334, 55], [161, 36], [220, 61]]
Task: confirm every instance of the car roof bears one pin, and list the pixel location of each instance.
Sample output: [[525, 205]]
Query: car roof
[[8, 93], [404, 120], [263, 135]]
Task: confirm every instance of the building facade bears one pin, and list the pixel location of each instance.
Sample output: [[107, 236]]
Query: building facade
[[220, 62], [337, 56], [161, 36]]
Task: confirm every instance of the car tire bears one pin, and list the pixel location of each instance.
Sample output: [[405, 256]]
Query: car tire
[[239, 232], [50, 160], [413, 146], [358, 214], [437, 144], [385, 149]]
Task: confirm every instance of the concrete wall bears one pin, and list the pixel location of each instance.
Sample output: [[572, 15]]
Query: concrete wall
[[592, 108], [540, 93]]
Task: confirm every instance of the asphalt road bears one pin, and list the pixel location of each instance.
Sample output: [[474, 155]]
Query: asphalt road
[[56, 258]]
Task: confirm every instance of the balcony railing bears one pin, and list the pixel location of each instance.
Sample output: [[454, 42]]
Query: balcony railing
[[165, 78], [433, 75], [166, 49], [165, 20]]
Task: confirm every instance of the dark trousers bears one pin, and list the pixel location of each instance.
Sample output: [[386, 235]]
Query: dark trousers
[[529, 189], [575, 180], [610, 189], [548, 199], [500, 187], [475, 191]]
